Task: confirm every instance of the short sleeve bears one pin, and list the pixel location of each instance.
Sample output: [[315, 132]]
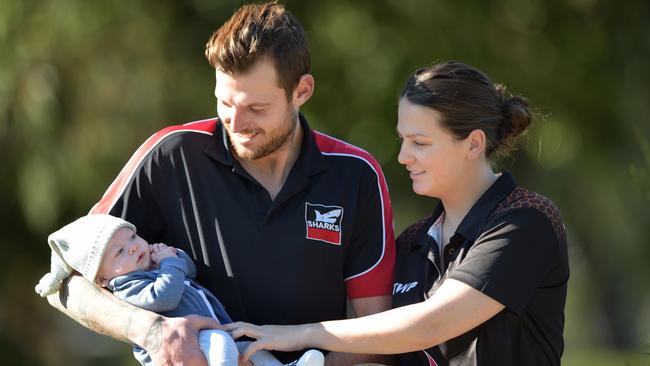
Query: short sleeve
[[510, 259], [370, 260]]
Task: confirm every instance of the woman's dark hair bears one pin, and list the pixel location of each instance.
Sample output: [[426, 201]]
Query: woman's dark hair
[[468, 100]]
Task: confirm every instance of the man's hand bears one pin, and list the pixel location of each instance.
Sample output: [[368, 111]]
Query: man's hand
[[175, 341]]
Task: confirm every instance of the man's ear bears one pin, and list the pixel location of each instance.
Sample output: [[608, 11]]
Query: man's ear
[[303, 91], [476, 143]]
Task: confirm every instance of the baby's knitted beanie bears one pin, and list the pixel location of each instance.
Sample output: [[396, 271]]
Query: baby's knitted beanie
[[79, 246]]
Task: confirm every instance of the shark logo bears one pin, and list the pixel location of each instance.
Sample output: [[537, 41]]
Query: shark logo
[[323, 223], [329, 217]]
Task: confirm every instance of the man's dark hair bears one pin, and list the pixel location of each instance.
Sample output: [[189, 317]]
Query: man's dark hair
[[256, 31]]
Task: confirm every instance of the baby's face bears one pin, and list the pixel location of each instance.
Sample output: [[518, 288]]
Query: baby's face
[[126, 252]]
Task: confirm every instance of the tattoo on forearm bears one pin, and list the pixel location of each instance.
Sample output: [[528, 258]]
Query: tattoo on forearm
[[93, 317], [81, 308], [126, 327], [153, 339]]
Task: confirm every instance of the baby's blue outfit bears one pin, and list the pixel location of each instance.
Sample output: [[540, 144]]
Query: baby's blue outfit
[[171, 291]]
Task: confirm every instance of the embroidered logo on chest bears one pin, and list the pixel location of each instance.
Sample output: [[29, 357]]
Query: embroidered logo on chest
[[323, 222]]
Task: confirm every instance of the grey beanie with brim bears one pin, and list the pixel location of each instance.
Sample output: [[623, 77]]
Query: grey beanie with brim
[[79, 246]]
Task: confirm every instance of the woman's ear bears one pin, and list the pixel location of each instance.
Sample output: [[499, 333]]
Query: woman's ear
[[476, 144]]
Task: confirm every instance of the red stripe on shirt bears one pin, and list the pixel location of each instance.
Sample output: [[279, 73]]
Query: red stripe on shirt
[[328, 236], [115, 190], [377, 280]]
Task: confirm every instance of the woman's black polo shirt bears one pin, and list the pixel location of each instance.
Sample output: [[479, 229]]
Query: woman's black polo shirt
[[327, 235], [510, 246]]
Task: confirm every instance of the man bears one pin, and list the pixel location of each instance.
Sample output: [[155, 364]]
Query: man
[[283, 222]]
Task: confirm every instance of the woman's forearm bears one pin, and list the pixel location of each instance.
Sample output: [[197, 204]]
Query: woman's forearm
[[454, 309], [396, 331]]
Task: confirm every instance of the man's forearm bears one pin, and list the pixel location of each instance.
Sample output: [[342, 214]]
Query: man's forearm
[[100, 311]]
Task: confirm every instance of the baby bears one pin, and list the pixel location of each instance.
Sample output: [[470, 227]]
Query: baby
[[107, 251]]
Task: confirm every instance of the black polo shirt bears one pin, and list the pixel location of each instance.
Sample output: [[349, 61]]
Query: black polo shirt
[[328, 234], [510, 246]]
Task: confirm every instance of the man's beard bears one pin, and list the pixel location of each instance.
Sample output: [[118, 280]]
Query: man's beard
[[273, 140]]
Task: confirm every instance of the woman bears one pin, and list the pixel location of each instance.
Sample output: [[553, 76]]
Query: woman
[[483, 280]]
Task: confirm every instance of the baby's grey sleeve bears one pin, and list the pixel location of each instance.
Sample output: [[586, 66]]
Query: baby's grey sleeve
[[159, 294], [191, 267]]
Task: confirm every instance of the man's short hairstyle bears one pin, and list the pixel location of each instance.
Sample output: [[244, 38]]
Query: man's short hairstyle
[[256, 31]]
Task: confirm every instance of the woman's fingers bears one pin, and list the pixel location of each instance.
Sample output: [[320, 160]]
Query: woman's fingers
[[271, 337], [240, 329], [252, 348]]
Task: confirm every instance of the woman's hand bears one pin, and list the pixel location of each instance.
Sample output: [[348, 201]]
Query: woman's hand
[[270, 337]]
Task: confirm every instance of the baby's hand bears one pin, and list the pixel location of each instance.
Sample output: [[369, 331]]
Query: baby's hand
[[160, 251]]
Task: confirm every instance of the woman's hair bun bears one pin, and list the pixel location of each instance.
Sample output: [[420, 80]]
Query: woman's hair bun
[[468, 100], [517, 116]]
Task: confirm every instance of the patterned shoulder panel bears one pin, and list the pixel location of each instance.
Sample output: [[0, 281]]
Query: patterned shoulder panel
[[523, 198], [409, 235]]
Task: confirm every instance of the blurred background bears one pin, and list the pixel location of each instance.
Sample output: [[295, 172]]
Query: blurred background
[[83, 83]]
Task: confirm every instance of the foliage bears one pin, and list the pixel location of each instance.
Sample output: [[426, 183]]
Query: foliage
[[83, 83]]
